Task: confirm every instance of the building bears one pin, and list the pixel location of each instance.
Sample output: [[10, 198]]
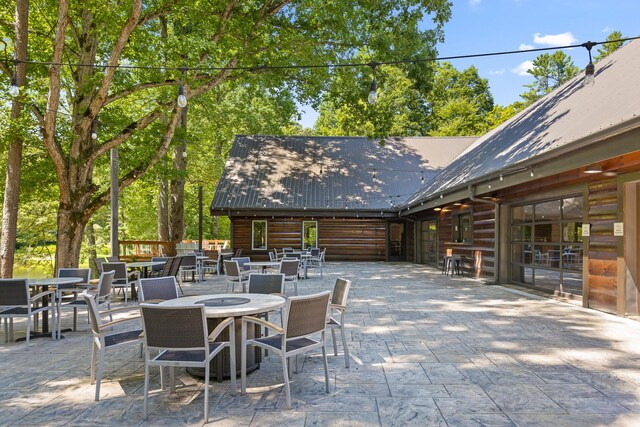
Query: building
[[339, 193], [551, 198]]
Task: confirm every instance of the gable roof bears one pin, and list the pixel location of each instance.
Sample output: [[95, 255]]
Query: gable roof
[[329, 173], [568, 118]]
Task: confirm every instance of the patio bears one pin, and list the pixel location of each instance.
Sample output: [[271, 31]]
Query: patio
[[425, 350]]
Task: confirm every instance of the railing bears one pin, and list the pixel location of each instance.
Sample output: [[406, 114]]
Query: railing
[[142, 250]]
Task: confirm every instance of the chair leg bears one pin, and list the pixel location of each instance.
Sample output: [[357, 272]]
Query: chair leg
[[92, 375], [243, 359], [28, 332], [206, 391], [333, 340], [232, 358], [172, 380], [75, 319], [146, 384], [326, 366], [6, 330], [295, 287], [285, 373], [99, 374], [345, 347]]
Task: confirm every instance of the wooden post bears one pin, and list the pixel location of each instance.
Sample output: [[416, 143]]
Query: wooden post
[[199, 217], [115, 247]]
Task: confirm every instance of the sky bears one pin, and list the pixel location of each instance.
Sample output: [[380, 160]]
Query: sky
[[480, 26]]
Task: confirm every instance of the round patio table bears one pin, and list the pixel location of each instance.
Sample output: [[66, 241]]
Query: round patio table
[[263, 264], [220, 306]]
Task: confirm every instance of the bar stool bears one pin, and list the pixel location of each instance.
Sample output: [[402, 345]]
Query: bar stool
[[453, 264]]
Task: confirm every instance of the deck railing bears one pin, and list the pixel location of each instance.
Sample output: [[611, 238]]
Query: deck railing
[[142, 250]]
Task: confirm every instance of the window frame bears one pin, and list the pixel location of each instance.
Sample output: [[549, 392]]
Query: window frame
[[266, 234], [456, 230], [303, 236]]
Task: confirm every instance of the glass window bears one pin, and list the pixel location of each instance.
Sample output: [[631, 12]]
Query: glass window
[[522, 214], [309, 234], [547, 232], [521, 233], [572, 208], [462, 227], [259, 235], [548, 211]]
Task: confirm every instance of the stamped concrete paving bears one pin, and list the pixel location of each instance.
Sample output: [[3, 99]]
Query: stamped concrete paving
[[425, 350]]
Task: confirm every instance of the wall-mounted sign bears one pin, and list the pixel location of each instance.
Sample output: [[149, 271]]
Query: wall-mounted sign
[[618, 229], [586, 230]]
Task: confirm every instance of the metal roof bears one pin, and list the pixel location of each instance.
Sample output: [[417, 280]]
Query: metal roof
[[566, 119], [329, 173]]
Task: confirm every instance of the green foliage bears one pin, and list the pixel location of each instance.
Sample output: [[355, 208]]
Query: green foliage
[[549, 70], [607, 49]]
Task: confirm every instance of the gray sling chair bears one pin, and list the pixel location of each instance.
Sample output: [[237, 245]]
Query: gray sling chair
[[72, 291], [290, 269], [338, 304], [122, 279], [234, 275], [304, 321], [104, 338], [15, 301], [181, 337], [157, 289], [103, 297]]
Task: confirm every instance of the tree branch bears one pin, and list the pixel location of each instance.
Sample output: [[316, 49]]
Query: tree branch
[[53, 102], [104, 197], [120, 43]]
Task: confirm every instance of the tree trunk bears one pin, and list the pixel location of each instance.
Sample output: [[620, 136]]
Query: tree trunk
[[176, 219], [163, 210], [70, 231], [91, 247], [8, 232]]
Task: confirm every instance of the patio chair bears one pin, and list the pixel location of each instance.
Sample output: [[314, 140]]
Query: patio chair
[[273, 256], [338, 304], [238, 253], [234, 275], [242, 261], [15, 301], [103, 297], [290, 269], [175, 271], [157, 289], [189, 264], [322, 256], [180, 335], [211, 265], [97, 263], [166, 267], [113, 259], [304, 320], [156, 270], [104, 338], [121, 280], [315, 261]]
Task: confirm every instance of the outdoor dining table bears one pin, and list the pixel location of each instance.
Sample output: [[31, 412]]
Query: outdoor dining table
[[263, 264], [144, 266], [50, 282], [220, 306]]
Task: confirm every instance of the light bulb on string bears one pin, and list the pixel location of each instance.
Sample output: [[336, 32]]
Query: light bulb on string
[[182, 98], [501, 177], [373, 91], [422, 178], [14, 89], [590, 69], [94, 129]]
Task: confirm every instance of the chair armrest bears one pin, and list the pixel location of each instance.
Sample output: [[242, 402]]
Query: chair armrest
[[221, 326], [338, 307], [117, 310], [40, 295], [257, 320], [114, 322]]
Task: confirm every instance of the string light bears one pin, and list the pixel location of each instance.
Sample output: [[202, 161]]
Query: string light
[[182, 98], [374, 174], [501, 178], [373, 92], [422, 178], [94, 129], [589, 71]]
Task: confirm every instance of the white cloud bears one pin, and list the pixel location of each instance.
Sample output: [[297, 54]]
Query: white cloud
[[524, 46], [522, 68], [497, 72], [554, 39], [474, 2], [606, 29]]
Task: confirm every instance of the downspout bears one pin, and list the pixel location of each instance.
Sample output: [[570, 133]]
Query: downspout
[[496, 240]]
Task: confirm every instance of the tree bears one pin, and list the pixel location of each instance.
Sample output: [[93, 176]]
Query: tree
[[136, 107], [549, 72], [460, 101], [607, 49], [9, 226]]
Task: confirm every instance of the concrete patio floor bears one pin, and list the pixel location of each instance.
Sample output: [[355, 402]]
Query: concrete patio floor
[[425, 350]]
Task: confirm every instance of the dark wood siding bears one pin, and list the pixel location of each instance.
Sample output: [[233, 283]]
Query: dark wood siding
[[602, 264], [411, 242], [346, 239]]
